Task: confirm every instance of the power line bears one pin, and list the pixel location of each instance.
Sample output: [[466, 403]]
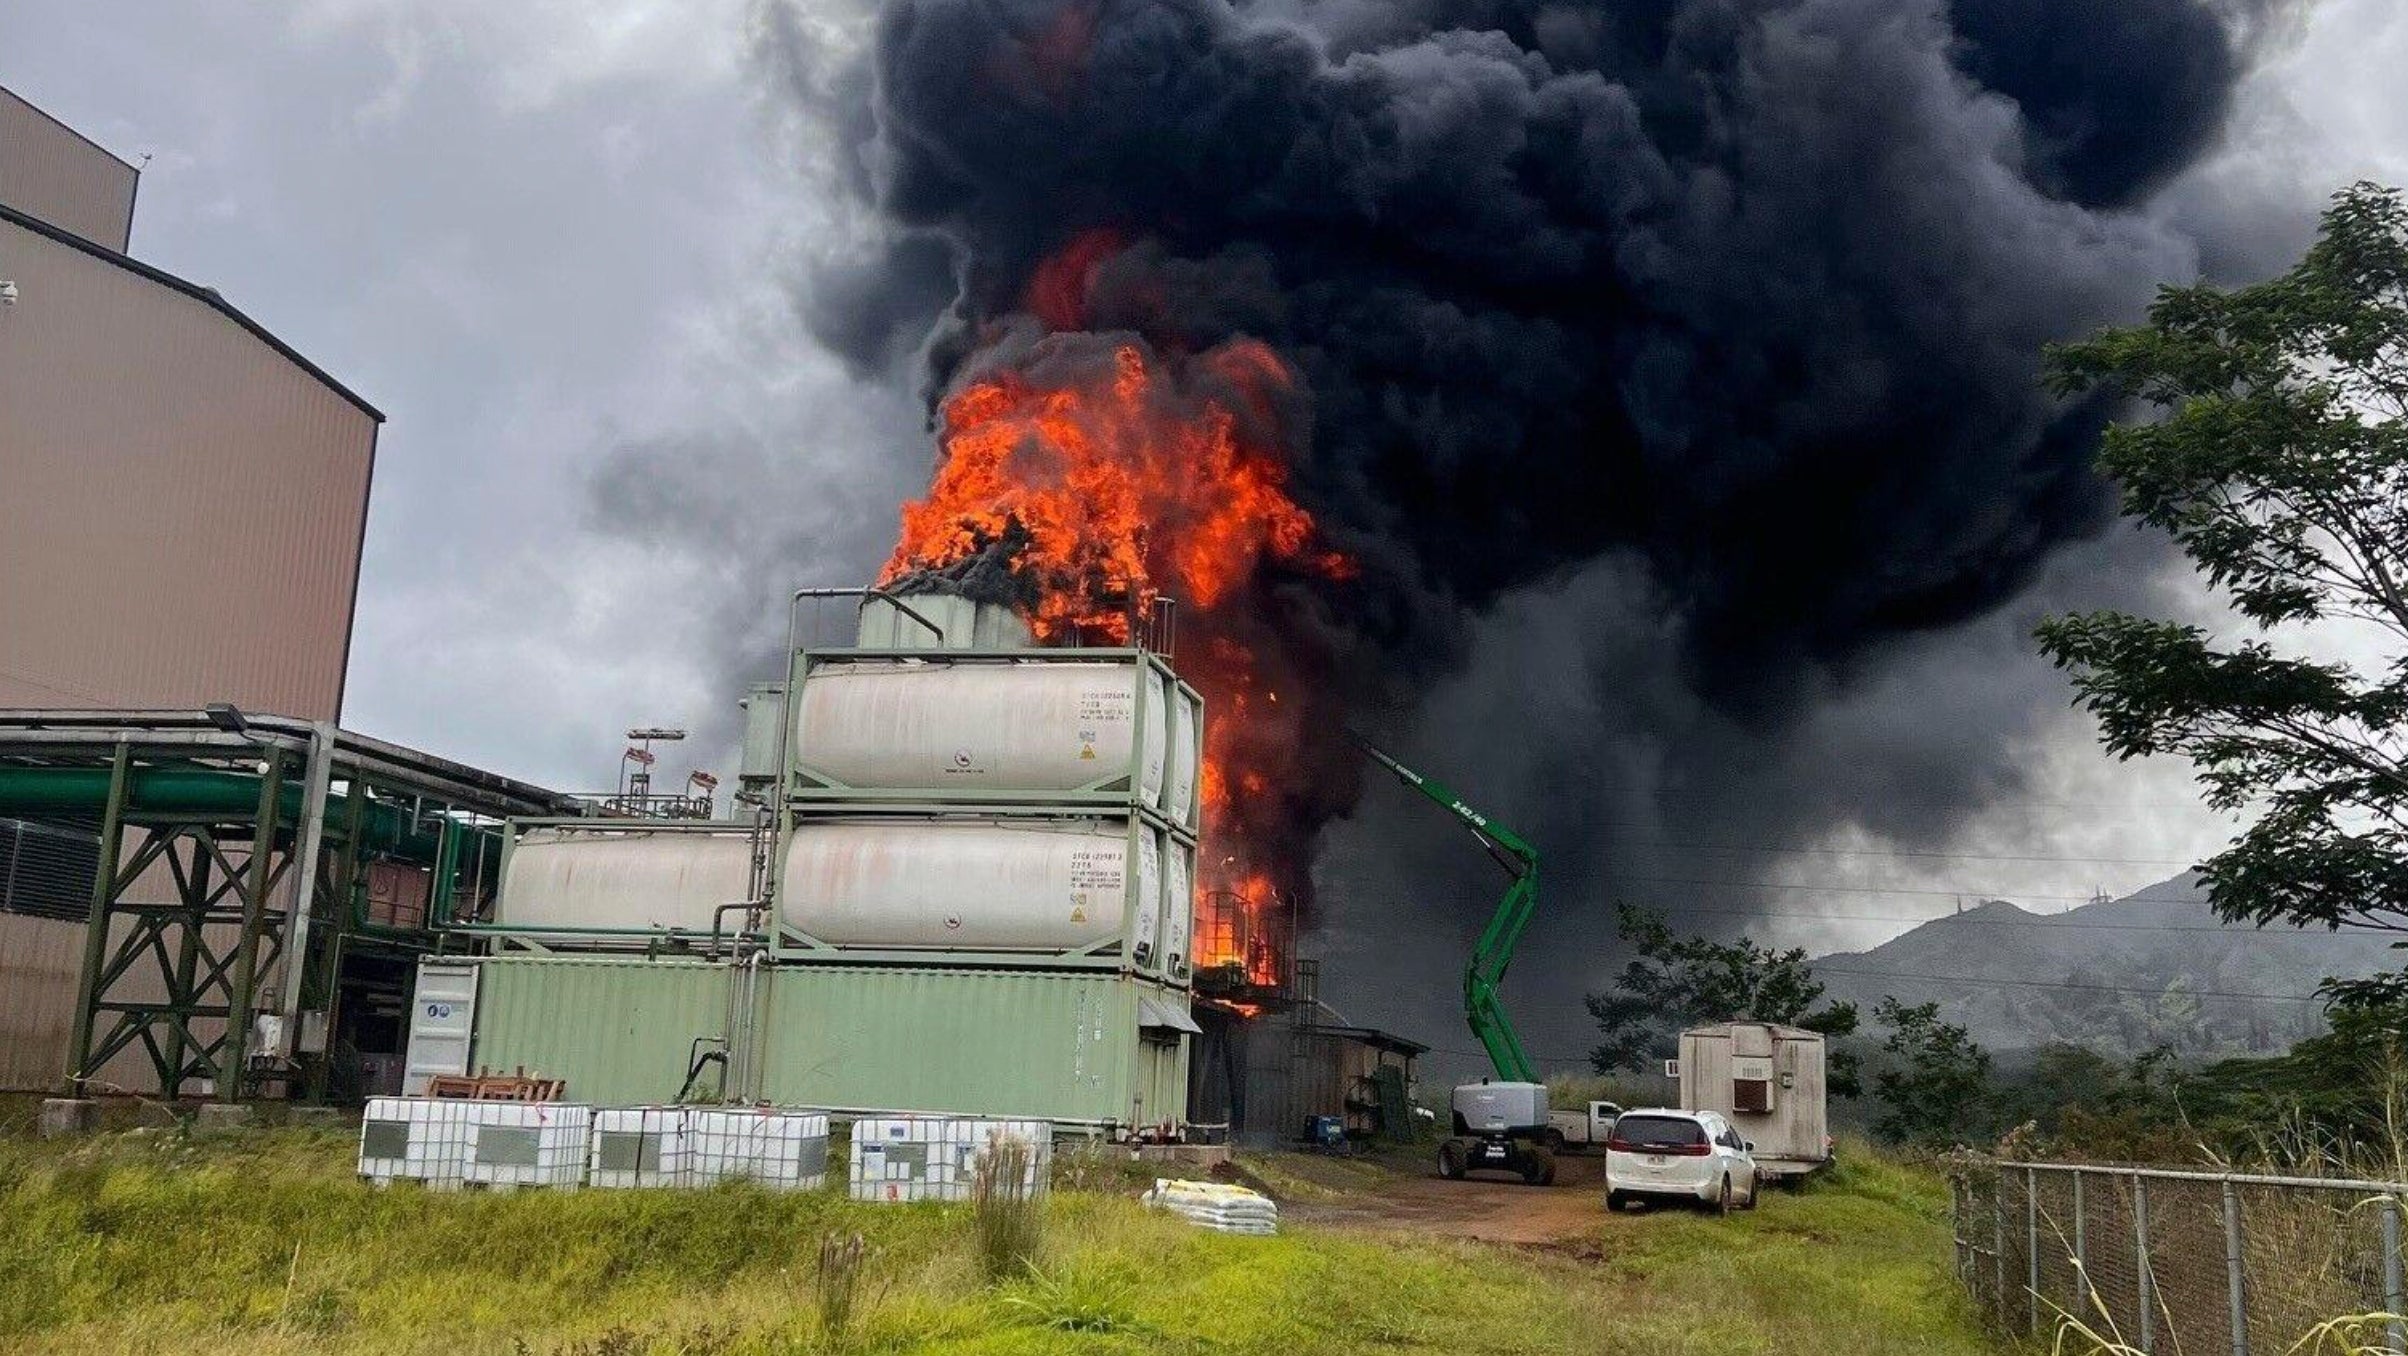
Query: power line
[[2069, 984], [1866, 889], [2185, 862], [2056, 920], [1970, 979], [2044, 920]]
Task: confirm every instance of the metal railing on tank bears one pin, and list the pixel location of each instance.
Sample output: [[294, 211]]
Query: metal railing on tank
[[1244, 946], [650, 805]]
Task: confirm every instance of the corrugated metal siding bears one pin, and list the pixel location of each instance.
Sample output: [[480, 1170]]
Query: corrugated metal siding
[[974, 1042], [1056, 1046], [40, 962], [50, 172], [620, 1032], [182, 506]]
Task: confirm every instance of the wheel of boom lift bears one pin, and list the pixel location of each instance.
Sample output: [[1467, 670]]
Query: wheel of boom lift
[[1539, 1168], [1450, 1161]]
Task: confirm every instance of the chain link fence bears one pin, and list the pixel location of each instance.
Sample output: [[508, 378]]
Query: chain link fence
[[2177, 1263]]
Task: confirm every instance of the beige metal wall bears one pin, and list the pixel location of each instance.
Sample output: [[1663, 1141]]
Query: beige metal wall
[[41, 960], [47, 170], [181, 502]]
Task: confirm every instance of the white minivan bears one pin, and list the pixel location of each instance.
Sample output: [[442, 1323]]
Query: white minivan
[[1661, 1154]]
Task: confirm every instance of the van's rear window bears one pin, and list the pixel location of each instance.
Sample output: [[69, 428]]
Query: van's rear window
[[1654, 1130]]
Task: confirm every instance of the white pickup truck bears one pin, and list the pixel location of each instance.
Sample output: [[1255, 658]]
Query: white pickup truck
[[1569, 1131]]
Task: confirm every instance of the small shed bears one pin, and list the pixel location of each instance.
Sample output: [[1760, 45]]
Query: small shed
[[1767, 1080], [1259, 1078]]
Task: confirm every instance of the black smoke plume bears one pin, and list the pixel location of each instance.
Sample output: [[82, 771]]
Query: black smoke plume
[[1726, 311]]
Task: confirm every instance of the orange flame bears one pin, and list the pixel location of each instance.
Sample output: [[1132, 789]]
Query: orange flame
[[1125, 487], [1123, 483]]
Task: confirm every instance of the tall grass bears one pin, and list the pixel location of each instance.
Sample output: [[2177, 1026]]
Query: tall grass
[[839, 1288], [267, 1246], [1008, 1211]]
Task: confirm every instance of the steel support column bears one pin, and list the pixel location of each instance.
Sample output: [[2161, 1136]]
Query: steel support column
[[231, 1063], [96, 936]]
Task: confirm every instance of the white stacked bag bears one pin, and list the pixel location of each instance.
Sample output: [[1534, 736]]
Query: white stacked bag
[[1216, 1205]]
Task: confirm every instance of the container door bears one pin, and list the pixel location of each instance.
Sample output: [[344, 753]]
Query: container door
[[443, 1019], [1145, 936], [1154, 744], [1179, 793], [1178, 908]]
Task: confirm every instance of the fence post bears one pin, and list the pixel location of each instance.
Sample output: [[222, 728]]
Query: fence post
[[1998, 1244], [2031, 1249], [2140, 1264], [1956, 1227], [2232, 1270], [2081, 1247], [2392, 1299]]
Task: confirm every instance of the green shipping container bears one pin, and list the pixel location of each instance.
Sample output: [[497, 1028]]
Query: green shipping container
[[1061, 1046], [1070, 1047], [621, 1032]]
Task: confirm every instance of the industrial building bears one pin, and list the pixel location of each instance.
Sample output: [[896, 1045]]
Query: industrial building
[[182, 503]]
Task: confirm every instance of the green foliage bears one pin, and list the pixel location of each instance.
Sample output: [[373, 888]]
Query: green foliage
[[129, 1243], [2280, 465], [2077, 1094], [1934, 1079], [1009, 1215], [1676, 982], [2337, 1087], [1077, 1299]]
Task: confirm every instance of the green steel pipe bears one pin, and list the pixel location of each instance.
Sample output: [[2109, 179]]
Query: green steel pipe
[[192, 791]]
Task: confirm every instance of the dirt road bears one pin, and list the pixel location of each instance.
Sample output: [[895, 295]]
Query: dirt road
[[1491, 1207]]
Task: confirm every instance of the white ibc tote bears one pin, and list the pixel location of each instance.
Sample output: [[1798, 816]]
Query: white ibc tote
[[935, 1158]]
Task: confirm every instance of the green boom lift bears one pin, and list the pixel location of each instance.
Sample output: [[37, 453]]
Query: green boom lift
[[1500, 1123]]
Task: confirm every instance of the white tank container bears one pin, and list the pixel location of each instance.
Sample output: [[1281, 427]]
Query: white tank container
[[973, 727], [965, 886], [580, 878], [1179, 786], [1178, 909]]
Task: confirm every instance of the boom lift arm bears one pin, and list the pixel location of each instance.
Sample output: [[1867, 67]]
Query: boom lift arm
[[1494, 951]]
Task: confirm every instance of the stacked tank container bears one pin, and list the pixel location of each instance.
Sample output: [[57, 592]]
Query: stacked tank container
[[1004, 805], [980, 894], [982, 898]]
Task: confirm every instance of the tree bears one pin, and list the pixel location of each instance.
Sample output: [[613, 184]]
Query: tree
[[1932, 1084], [2280, 466], [1678, 982]]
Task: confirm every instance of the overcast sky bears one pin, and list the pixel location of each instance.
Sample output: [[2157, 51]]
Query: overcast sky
[[557, 243]]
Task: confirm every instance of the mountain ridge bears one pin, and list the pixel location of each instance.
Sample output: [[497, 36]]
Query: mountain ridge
[[2122, 976]]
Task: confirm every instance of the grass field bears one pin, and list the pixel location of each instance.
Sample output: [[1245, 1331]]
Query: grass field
[[160, 1241]]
